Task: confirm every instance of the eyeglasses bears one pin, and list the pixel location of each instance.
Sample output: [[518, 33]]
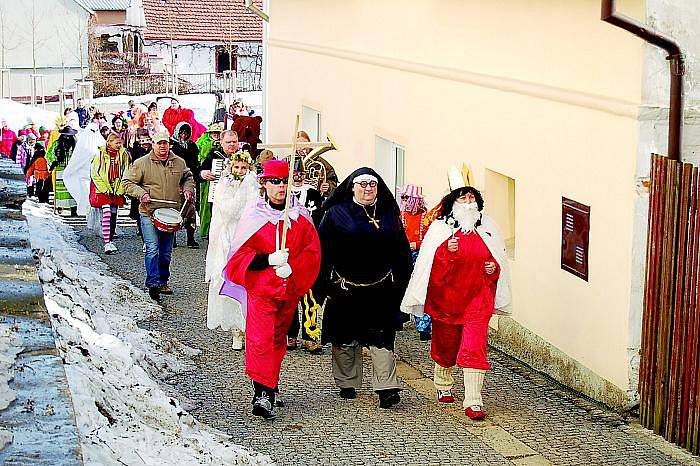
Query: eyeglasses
[[364, 184], [277, 180]]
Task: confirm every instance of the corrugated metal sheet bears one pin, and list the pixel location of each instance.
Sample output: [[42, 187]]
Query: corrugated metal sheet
[[107, 5]]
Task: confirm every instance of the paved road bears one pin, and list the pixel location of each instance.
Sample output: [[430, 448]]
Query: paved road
[[531, 419]]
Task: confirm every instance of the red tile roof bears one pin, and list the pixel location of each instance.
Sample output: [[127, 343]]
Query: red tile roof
[[202, 20]]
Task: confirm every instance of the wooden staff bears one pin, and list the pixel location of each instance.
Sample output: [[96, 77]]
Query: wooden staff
[[292, 159]]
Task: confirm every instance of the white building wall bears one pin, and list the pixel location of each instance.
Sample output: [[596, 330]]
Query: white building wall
[[193, 57], [61, 43], [679, 19]]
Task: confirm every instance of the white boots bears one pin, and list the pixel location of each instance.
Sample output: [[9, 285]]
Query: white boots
[[473, 384], [473, 402]]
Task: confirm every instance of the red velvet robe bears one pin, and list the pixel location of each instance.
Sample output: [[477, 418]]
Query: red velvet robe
[[272, 300], [460, 300]]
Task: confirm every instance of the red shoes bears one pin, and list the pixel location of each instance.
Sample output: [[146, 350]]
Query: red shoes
[[445, 396], [475, 413]]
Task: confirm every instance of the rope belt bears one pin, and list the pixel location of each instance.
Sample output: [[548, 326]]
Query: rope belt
[[344, 282]]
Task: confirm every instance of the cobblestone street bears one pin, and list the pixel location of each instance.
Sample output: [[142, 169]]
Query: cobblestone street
[[531, 420]]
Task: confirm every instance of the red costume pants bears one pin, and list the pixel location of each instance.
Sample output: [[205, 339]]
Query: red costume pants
[[267, 323], [461, 344]]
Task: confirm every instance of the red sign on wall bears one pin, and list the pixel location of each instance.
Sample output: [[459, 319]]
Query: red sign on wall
[[575, 226]]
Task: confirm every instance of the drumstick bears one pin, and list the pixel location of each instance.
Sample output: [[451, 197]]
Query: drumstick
[[163, 201]]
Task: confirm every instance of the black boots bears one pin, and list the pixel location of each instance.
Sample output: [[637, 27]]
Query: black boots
[[191, 243], [263, 401], [154, 293], [348, 393], [388, 397]]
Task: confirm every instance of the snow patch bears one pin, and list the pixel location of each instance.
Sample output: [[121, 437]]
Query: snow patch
[[10, 346], [17, 115], [115, 369]]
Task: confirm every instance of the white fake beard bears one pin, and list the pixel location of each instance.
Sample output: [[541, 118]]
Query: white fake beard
[[467, 215]]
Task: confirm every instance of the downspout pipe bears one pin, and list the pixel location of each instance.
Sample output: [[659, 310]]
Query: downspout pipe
[[610, 15]]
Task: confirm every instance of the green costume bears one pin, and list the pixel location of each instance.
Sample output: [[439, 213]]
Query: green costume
[[58, 155], [204, 204], [205, 144]]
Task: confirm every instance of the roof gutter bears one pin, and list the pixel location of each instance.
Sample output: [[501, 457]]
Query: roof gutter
[[677, 67]]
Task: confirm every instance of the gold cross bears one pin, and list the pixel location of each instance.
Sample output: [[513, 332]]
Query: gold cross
[[374, 222]]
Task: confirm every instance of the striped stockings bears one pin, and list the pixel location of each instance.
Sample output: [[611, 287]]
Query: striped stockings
[[109, 222]]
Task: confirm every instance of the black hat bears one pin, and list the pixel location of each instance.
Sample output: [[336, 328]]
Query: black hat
[[299, 165], [68, 131]]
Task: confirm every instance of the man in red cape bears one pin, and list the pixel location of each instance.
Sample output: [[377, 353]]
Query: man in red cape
[[460, 279], [269, 280]]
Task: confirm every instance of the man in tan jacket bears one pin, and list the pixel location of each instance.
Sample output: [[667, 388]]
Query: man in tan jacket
[[156, 177]]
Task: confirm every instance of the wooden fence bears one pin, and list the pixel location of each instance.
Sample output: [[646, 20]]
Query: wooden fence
[[669, 365]]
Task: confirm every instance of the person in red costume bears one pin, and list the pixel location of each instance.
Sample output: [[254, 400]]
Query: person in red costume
[[7, 139], [176, 114], [269, 278], [461, 277], [173, 115]]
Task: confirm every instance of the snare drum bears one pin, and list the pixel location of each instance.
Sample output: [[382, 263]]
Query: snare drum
[[167, 220]]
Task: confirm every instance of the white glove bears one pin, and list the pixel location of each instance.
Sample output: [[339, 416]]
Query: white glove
[[283, 271], [278, 257]]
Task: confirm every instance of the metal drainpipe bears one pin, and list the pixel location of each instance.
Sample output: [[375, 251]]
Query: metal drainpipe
[[676, 61]]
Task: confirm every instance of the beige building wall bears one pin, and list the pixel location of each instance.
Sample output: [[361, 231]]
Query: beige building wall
[[542, 92]]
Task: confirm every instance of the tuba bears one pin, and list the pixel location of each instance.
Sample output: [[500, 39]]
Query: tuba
[[315, 169]]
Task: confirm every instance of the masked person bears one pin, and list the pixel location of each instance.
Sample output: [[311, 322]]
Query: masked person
[[60, 153], [328, 181], [269, 277], [7, 138], [21, 137], [310, 198], [461, 276], [366, 266], [413, 218], [183, 147], [237, 187], [38, 170]]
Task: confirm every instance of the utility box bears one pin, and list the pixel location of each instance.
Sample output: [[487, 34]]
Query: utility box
[[575, 226]]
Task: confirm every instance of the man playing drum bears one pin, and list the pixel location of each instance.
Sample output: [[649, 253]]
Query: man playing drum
[[156, 180]]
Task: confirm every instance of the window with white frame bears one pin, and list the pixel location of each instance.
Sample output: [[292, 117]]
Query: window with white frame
[[311, 122], [499, 198], [389, 163]]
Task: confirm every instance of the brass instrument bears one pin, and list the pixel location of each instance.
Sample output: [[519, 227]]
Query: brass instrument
[[316, 170]]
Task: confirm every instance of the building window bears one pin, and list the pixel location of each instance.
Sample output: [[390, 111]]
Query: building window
[[499, 197], [311, 122], [104, 44], [226, 57], [389, 163]]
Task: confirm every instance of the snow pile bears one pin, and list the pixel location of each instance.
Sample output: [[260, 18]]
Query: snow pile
[[17, 115], [10, 346], [123, 415]]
